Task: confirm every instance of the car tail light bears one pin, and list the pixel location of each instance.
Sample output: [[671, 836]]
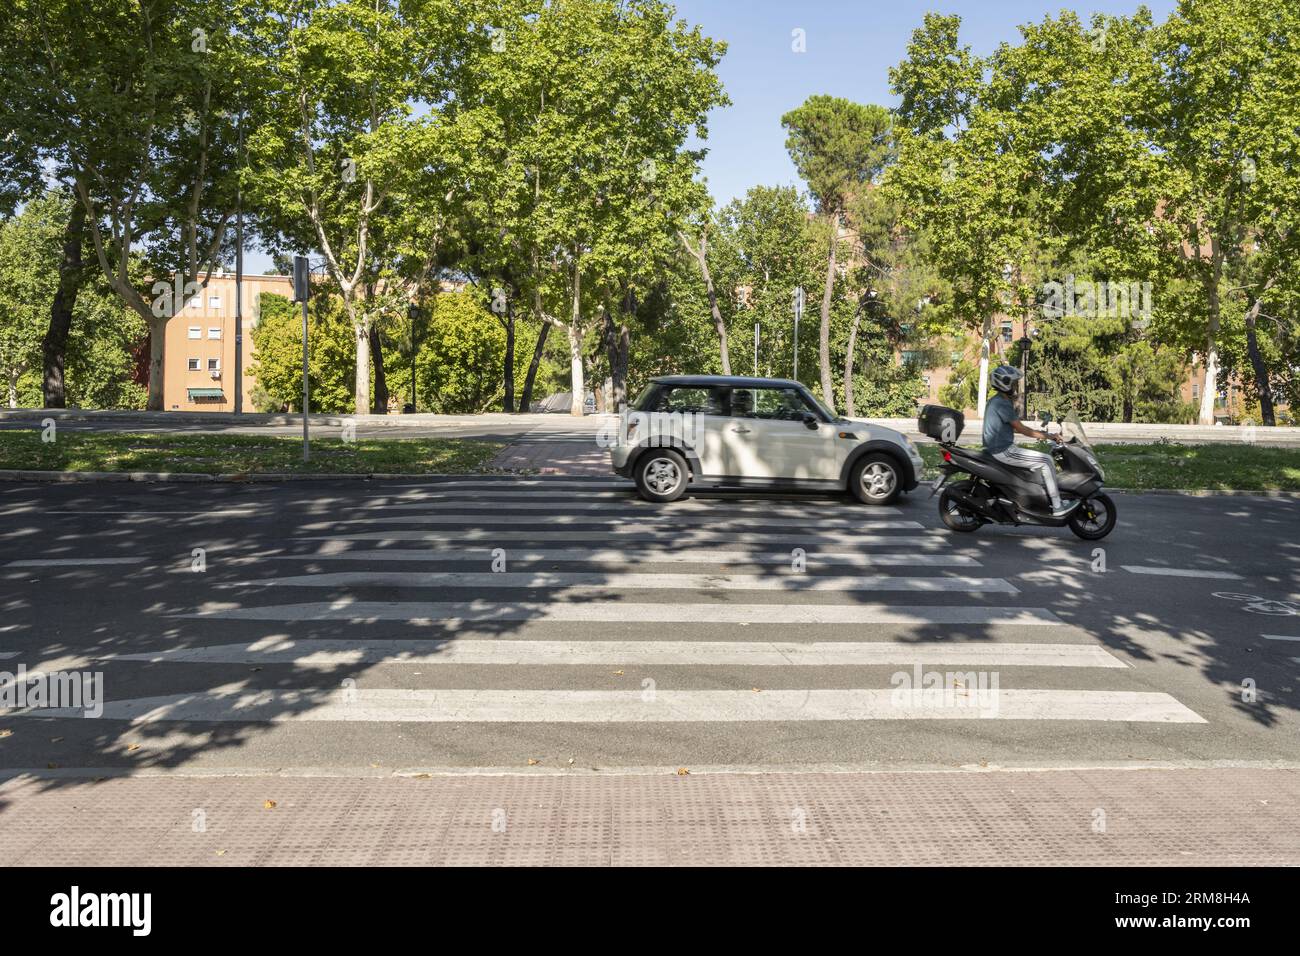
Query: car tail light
[[947, 455]]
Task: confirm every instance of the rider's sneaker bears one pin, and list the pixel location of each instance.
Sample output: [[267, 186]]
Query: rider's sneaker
[[1064, 510]]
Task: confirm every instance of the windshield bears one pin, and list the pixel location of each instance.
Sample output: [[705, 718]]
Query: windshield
[[1072, 428], [809, 396]]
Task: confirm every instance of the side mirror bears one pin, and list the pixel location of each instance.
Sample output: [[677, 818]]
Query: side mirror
[[810, 421], [1044, 417]]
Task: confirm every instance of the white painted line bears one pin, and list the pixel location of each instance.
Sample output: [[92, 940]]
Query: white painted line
[[70, 562], [624, 494], [335, 653], [141, 511], [631, 580], [633, 506], [233, 703], [453, 614], [618, 558], [646, 522], [657, 535], [1281, 637], [6, 628], [5, 655], [1181, 572]]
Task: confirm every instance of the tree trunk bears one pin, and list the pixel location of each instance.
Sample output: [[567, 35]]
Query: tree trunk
[[508, 373], [1262, 385], [824, 353], [848, 364], [13, 388], [54, 346], [361, 389], [1210, 390], [380, 406], [701, 256], [983, 396], [157, 347], [577, 384], [526, 396]]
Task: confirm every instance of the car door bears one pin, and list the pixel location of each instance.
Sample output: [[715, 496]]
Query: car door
[[692, 414], [767, 437]]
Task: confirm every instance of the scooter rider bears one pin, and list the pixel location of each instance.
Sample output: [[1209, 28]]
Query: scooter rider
[[1002, 423]]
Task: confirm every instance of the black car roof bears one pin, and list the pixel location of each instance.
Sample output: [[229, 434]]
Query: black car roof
[[726, 381]]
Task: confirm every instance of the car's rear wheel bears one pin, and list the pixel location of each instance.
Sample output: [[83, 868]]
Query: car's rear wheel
[[661, 475], [876, 479]]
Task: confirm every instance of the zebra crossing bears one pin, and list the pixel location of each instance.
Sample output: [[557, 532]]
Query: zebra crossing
[[818, 611]]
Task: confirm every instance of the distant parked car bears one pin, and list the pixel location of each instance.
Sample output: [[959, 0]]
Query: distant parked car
[[737, 432]]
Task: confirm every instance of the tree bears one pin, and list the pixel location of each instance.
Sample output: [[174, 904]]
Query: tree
[[839, 148], [133, 105], [277, 338], [592, 103], [333, 167], [970, 169], [29, 269]]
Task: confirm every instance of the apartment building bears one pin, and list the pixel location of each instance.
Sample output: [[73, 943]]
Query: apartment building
[[199, 356]]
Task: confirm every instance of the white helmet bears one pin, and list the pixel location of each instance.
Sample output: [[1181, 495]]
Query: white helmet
[[1004, 377]]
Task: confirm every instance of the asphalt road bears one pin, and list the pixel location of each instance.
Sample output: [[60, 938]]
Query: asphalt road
[[361, 626]]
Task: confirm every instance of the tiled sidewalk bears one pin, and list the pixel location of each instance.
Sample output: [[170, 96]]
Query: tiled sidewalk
[[1239, 817]]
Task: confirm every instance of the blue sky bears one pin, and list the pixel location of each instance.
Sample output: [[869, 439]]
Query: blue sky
[[850, 48]]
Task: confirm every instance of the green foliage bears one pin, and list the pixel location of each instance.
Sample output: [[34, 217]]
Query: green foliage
[[30, 248], [277, 338]]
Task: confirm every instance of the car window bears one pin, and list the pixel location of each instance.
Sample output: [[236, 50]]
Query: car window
[[773, 404], [689, 398]]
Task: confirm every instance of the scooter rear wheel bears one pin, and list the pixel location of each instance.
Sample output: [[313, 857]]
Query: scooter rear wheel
[[955, 515], [1094, 518]]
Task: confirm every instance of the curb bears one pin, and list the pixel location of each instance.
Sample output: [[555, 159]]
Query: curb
[[58, 477]]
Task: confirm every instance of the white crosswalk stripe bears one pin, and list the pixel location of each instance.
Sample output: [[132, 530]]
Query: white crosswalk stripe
[[621, 612], [646, 587], [333, 653], [594, 706], [642, 522], [621, 559], [663, 535], [488, 582]]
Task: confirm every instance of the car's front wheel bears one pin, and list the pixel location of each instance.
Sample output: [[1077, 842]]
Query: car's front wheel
[[875, 479], [661, 475]]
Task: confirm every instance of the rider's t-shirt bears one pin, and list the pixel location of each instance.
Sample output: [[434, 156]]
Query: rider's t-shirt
[[998, 416]]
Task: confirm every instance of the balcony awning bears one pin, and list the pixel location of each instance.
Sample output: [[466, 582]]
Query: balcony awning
[[204, 393]]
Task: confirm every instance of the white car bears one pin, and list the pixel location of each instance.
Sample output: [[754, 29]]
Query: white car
[[732, 431]]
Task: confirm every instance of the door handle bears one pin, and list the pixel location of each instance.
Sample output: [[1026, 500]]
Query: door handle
[[740, 430]]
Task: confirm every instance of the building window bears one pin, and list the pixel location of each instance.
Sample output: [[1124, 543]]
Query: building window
[[214, 302], [954, 359], [1007, 333], [926, 380], [194, 365], [214, 333], [1196, 393], [214, 365], [196, 332], [196, 303], [911, 358]]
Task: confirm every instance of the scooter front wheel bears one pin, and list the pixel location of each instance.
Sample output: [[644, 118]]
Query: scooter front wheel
[[1094, 518], [954, 514]]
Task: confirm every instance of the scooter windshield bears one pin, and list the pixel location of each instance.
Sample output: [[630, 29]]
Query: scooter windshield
[[1072, 430]]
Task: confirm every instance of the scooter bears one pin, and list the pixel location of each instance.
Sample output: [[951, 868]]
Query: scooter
[[996, 493]]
